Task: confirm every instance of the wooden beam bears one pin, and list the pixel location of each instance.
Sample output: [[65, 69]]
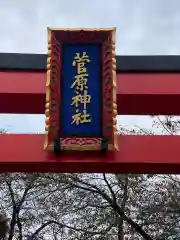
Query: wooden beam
[[38, 62], [22, 92], [138, 154], [137, 93]]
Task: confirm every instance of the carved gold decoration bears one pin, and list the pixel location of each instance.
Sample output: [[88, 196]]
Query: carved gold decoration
[[114, 89], [48, 92]]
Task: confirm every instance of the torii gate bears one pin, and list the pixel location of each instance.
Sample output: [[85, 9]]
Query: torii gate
[[146, 85]]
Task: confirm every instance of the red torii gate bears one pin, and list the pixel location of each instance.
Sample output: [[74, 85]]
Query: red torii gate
[[146, 85]]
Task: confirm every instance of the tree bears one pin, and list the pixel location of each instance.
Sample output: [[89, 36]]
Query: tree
[[99, 205], [3, 227]]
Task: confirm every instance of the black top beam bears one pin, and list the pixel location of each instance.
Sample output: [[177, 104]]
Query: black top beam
[[37, 62]]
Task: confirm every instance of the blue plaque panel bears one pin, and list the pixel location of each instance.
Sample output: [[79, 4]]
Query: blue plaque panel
[[81, 91]]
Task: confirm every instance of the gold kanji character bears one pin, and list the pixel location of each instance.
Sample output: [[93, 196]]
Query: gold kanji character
[[82, 99], [78, 58], [81, 118], [80, 62], [80, 82]]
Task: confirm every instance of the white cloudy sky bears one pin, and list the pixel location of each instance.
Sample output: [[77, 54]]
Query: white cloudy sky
[[143, 27]]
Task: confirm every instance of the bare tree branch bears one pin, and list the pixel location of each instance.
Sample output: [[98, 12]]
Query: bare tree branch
[[110, 188], [65, 226], [118, 210]]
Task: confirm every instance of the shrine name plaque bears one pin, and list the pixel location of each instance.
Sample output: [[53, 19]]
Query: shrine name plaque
[[81, 104]]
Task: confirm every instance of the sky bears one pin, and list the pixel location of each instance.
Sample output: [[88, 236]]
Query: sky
[[144, 27]]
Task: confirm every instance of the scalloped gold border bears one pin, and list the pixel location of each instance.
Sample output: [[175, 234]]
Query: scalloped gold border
[[48, 80], [81, 29], [48, 91], [114, 89]]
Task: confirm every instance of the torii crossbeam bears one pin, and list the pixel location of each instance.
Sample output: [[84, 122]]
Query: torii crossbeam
[[146, 85]]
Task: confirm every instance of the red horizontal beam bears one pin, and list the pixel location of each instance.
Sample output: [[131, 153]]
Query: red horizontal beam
[[137, 93], [138, 154]]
